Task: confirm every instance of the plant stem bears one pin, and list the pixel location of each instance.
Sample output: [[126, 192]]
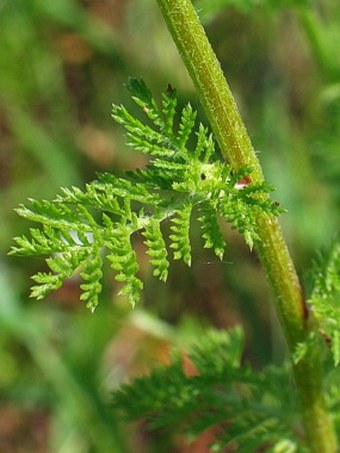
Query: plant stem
[[231, 134]]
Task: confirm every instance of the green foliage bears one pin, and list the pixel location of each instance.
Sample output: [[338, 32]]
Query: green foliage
[[80, 224], [41, 157], [156, 249], [246, 409], [325, 299]]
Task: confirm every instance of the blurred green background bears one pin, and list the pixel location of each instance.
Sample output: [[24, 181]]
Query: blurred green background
[[62, 64]]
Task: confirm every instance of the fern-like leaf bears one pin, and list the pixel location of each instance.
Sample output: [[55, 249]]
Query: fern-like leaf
[[80, 226], [92, 275], [124, 260], [180, 237], [325, 299], [156, 249], [211, 231], [186, 125], [250, 410]]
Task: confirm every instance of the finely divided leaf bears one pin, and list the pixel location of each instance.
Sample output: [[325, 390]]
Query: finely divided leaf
[[180, 237], [249, 410], [156, 249], [80, 227], [325, 299], [124, 261], [211, 231]]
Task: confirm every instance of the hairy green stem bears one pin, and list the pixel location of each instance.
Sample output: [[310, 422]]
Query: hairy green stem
[[236, 147]]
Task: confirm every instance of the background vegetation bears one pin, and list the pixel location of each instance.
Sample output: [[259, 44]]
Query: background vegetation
[[62, 64]]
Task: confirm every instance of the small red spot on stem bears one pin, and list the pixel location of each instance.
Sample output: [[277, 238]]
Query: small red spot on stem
[[245, 181]]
